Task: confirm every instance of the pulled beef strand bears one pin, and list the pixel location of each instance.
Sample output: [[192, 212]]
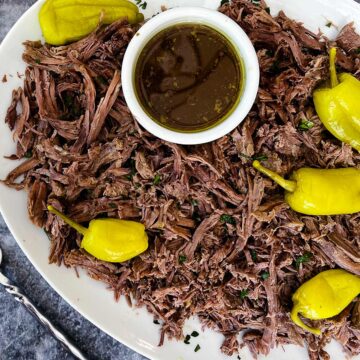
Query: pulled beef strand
[[223, 243]]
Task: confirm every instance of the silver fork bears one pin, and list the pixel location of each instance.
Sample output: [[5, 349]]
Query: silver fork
[[23, 299]]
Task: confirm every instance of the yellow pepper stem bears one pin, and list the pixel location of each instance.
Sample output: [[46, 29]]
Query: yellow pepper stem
[[333, 76], [81, 229], [288, 185], [296, 319]]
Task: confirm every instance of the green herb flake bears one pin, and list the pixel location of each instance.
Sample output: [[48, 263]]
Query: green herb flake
[[305, 125], [194, 334], [244, 293], [329, 24], [194, 202], [141, 4], [227, 219], [187, 339], [303, 259], [260, 157], [156, 322], [223, 2], [28, 154], [157, 179], [256, 2], [238, 357], [265, 275], [197, 348], [182, 259], [113, 205], [357, 51], [267, 9], [245, 156], [253, 255], [38, 61]]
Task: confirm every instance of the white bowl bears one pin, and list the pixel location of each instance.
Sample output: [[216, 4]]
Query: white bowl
[[232, 31]]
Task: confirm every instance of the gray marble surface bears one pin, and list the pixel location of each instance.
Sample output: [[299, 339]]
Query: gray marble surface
[[21, 336]]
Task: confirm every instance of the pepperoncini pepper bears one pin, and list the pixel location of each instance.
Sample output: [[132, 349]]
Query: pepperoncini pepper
[[111, 240], [324, 296], [320, 191], [65, 21], [338, 106]]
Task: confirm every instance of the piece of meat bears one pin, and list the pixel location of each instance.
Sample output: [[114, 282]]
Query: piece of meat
[[104, 108], [348, 39], [37, 202]]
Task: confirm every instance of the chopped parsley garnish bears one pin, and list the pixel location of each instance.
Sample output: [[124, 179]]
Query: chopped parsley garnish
[[329, 24], [227, 219], [157, 179], [156, 322], [38, 61], [141, 4], [303, 259], [357, 50], [182, 259], [305, 125], [260, 157], [28, 154], [246, 156], [256, 2], [113, 205], [267, 9], [238, 357], [265, 275], [194, 334], [194, 202], [253, 255], [197, 348], [187, 339], [244, 293], [223, 2]]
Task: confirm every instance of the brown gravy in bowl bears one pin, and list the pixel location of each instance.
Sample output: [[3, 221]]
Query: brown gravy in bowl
[[188, 78]]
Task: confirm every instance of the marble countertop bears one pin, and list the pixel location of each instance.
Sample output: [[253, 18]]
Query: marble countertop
[[21, 336]]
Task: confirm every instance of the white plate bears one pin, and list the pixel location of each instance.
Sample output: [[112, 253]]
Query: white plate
[[133, 327]]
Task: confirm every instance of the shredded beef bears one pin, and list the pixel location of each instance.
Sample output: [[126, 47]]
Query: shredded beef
[[223, 243]]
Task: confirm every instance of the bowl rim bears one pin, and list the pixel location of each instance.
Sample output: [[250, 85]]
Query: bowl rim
[[242, 45]]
